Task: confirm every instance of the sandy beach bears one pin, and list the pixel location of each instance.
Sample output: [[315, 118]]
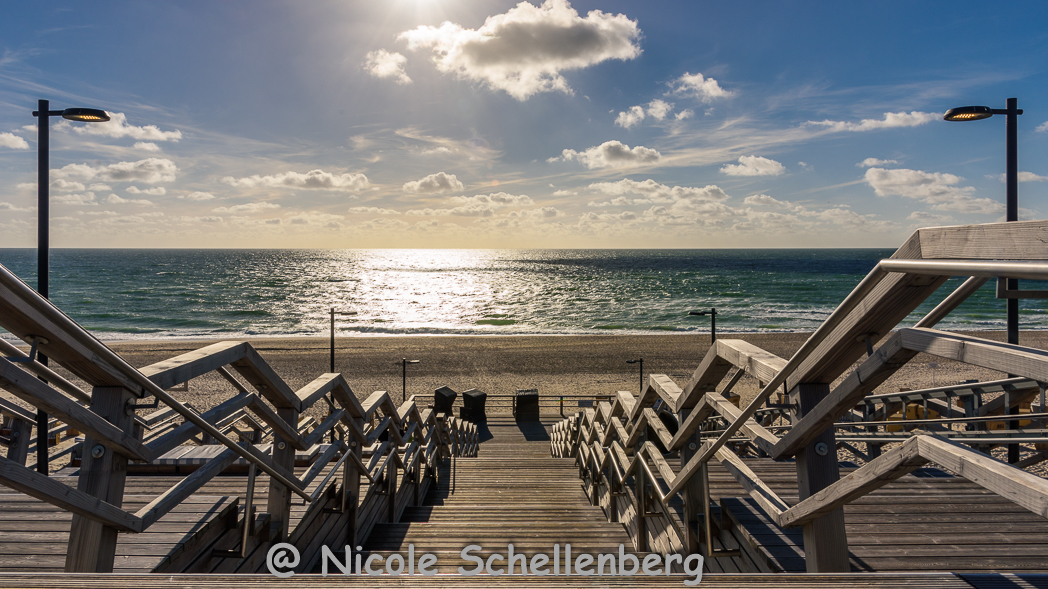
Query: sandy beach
[[555, 365]]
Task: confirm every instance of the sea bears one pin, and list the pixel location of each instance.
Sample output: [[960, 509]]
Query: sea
[[127, 294]]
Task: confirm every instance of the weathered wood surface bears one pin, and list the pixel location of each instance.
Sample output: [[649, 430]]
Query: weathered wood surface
[[923, 521], [513, 492]]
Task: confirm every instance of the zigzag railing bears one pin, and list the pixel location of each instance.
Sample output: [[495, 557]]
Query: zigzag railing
[[611, 442], [116, 433]]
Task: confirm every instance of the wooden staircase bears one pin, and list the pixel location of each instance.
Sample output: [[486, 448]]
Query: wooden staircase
[[513, 492]]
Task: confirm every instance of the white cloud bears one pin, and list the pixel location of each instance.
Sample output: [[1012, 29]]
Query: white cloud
[[155, 191], [872, 161], [684, 114], [926, 219], [657, 109], [524, 51], [66, 185], [697, 86], [117, 127], [372, 211], [251, 207], [82, 199], [753, 165], [631, 117], [146, 146], [565, 193], [890, 120], [441, 150], [653, 192], [764, 200], [116, 200], [13, 141], [6, 206], [383, 64], [936, 189], [150, 170], [99, 187], [1022, 177], [434, 183], [312, 180], [1042, 128], [481, 205], [498, 199], [313, 218], [611, 154], [198, 196]]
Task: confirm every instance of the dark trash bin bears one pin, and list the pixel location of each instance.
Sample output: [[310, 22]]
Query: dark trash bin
[[443, 399], [526, 404], [473, 406]]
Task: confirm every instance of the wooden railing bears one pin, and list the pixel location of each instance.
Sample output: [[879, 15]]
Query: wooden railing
[[625, 472], [413, 441]]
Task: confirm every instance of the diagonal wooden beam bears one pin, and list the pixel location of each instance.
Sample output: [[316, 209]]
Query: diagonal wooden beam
[[35, 392], [174, 496], [875, 474], [47, 489], [179, 369]]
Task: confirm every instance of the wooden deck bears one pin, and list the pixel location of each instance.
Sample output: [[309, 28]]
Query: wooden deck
[[923, 521], [513, 492]]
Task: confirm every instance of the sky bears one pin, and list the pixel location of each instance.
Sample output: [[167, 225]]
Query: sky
[[494, 124]]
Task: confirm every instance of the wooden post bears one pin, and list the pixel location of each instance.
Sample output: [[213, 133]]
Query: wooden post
[[641, 506], [279, 505], [21, 432], [825, 540], [391, 482], [351, 490], [694, 498], [92, 545]]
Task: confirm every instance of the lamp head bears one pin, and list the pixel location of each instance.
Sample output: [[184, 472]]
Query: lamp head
[[968, 113], [86, 115]]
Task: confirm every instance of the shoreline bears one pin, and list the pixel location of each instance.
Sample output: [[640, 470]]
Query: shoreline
[[499, 364]]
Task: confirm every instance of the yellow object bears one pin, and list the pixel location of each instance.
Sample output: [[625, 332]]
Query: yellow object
[[913, 411]]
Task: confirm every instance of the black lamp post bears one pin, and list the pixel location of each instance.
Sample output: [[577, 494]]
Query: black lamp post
[[43, 181], [333, 313], [1011, 179], [713, 321], [641, 362], [404, 376]]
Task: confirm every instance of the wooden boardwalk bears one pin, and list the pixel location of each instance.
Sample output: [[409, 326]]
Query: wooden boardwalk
[[513, 492], [924, 521]]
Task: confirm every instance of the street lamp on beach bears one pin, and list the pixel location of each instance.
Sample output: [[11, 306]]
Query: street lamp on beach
[[713, 321], [1011, 179], [43, 182], [404, 377]]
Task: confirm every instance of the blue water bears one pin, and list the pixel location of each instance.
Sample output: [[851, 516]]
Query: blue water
[[131, 294]]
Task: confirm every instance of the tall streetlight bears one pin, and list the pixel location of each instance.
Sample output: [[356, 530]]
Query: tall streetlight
[[713, 321], [404, 376], [43, 181], [1011, 179]]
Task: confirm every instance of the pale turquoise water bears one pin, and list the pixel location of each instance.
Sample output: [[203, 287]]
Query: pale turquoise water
[[128, 294]]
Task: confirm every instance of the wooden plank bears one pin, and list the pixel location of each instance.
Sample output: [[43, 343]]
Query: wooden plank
[[174, 496], [1020, 361], [287, 431], [261, 375], [25, 313], [882, 470], [825, 538], [56, 493], [32, 390], [884, 362], [710, 371], [764, 439], [92, 544], [667, 390], [49, 376], [751, 483], [182, 368], [9, 408], [187, 430], [1024, 489], [1016, 240], [279, 503]]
